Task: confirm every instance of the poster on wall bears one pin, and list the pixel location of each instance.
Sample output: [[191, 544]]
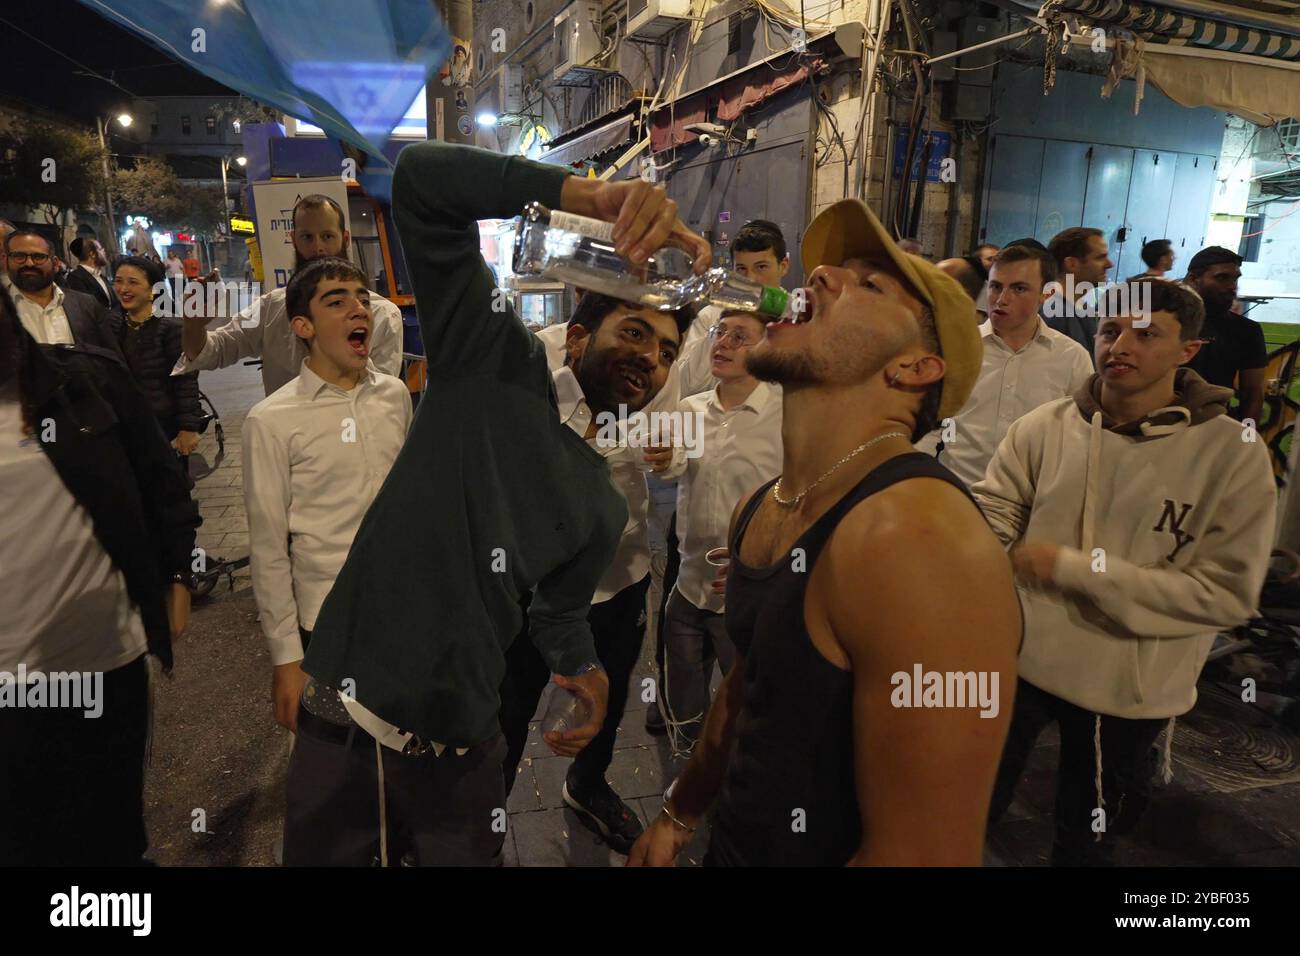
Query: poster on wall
[[456, 71], [275, 201]]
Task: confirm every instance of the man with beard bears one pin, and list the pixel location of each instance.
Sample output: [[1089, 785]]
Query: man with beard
[[90, 276], [618, 359], [1233, 354], [264, 329], [497, 492], [862, 567], [51, 315]]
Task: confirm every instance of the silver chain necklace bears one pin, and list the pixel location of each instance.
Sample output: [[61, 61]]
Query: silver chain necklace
[[776, 489]]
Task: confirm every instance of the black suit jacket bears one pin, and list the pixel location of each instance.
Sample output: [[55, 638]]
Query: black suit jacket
[[82, 281], [89, 320]]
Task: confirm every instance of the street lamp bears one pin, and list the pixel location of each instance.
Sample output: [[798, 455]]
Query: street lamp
[[225, 195], [101, 126]]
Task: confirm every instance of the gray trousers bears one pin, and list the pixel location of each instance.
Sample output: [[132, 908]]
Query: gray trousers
[[693, 641], [437, 811]]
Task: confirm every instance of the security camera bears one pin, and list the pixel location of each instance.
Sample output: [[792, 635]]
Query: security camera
[[708, 142], [706, 129]]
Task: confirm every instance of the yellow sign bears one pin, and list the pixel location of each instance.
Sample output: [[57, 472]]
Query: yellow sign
[[242, 225]]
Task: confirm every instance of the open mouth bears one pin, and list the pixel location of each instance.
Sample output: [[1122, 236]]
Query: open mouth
[[801, 310], [359, 341], [636, 380], [1119, 368]]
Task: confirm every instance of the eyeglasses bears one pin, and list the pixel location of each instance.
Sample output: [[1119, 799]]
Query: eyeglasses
[[36, 258], [722, 335]]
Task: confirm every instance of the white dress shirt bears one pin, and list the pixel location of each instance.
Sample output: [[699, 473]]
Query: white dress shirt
[[741, 450], [49, 324], [552, 337], [315, 456], [66, 604], [263, 329], [1049, 366], [632, 559]]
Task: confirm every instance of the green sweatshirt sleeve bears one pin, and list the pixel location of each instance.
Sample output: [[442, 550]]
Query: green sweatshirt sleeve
[[440, 191], [557, 616]]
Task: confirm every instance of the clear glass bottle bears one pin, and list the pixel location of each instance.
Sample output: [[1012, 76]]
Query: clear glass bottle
[[580, 251], [565, 710]]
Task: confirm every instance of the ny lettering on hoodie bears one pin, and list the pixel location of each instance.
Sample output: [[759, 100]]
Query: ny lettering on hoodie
[[1165, 525]]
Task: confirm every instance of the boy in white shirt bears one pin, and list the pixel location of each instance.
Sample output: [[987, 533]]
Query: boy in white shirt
[[741, 450], [1139, 519], [1027, 363], [316, 452]]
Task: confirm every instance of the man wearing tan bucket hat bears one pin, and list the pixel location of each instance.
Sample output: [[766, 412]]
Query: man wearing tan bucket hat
[[872, 609]]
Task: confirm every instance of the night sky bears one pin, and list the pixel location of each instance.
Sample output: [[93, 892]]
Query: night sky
[[40, 77]]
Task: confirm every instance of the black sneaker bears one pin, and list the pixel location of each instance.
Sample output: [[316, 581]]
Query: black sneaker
[[601, 810], [654, 721]]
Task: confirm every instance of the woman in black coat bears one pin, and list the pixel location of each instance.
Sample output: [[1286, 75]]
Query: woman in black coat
[[152, 344]]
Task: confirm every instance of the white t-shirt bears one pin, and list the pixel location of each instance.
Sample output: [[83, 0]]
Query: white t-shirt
[[66, 606]]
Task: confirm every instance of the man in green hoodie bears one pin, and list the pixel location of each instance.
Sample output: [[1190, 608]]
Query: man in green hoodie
[[1139, 519], [492, 496]]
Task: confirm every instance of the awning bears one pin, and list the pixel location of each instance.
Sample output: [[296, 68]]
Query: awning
[[730, 96], [1156, 24], [1260, 92], [1201, 59], [615, 133]]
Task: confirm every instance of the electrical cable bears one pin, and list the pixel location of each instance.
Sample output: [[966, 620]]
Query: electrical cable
[[94, 73]]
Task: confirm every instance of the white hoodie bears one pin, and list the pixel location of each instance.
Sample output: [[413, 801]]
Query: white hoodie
[[1177, 509]]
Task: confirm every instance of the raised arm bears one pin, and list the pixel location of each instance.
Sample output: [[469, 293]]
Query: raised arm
[[440, 191], [240, 338]]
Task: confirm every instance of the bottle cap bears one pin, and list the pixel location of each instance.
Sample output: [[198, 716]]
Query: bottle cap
[[773, 301]]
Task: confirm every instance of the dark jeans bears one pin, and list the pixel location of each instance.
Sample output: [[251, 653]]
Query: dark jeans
[[1126, 773], [72, 786], [661, 619], [618, 626]]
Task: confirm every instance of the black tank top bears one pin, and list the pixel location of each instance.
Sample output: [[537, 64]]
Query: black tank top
[[794, 735]]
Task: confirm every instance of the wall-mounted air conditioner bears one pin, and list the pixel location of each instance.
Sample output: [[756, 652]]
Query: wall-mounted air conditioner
[[654, 19], [576, 37], [510, 88]]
